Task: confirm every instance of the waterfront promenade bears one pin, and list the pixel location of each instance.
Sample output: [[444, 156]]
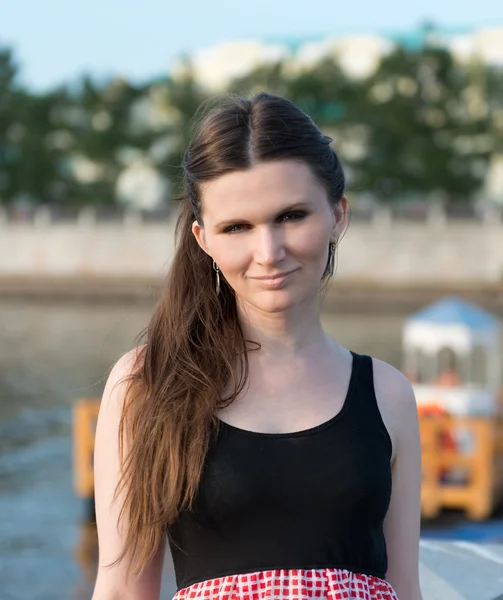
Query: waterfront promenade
[[461, 570]]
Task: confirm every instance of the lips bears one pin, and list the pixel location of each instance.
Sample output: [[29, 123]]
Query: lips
[[275, 281], [273, 277]]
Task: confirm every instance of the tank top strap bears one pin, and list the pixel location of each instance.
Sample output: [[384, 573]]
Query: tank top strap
[[364, 400], [363, 373]]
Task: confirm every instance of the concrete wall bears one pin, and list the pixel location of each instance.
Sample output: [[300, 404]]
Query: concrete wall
[[381, 250]]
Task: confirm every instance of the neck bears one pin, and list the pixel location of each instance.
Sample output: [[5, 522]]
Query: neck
[[283, 334]]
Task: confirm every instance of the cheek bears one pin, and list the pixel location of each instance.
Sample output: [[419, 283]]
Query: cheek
[[230, 254], [314, 248], [310, 244]]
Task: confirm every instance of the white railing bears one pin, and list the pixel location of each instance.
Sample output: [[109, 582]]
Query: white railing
[[381, 217]]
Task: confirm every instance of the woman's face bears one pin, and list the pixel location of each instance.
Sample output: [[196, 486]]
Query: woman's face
[[268, 229]]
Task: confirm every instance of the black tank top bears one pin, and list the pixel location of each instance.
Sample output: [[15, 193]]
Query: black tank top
[[311, 499]]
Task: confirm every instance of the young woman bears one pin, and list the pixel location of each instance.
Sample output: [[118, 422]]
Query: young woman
[[277, 463]]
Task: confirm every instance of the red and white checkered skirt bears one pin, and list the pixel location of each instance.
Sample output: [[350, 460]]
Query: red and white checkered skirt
[[291, 584]]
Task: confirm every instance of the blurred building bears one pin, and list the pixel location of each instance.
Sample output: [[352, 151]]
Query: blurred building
[[215, 67], [358, 54], [485, 45]]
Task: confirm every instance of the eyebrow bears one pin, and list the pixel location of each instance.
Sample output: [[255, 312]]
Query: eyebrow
[[296, 206]]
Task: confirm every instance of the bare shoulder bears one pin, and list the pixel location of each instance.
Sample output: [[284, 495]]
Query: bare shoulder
[[114, 394], [128, 364], [396, 401], [394, 389]]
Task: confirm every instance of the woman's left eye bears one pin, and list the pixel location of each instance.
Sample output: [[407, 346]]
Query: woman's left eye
[[293, 216]]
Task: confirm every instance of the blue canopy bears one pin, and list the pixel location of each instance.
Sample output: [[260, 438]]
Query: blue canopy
[[452, 310]]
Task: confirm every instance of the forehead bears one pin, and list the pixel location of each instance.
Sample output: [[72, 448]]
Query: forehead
[[263, 187]]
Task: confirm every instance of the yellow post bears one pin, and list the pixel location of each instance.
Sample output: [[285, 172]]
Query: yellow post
[[430, 491], [85, 414], [482, 473]]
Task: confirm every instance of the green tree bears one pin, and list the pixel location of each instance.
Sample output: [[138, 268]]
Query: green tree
[[184, 97], [492, 85], [9, 96], [99, 120], [422, 130], [270, 77], [323, 90]]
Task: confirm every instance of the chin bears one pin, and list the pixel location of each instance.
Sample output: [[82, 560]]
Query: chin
[[277, 301]]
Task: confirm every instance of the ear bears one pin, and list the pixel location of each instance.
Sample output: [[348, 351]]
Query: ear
[[198, 232], [340, 217]]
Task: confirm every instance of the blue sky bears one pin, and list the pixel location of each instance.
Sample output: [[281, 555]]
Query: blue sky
[[56, 40]]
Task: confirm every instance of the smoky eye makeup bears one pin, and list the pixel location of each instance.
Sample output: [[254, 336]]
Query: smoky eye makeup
[[293, 215], [234, 228], [288, 215]]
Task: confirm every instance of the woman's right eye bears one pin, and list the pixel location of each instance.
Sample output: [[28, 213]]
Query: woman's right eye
[[234, 228]]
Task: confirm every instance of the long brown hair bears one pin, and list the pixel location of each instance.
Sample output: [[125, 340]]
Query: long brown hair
[[195, 348]]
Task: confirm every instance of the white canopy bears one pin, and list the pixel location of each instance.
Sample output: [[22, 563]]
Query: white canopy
[[455, 325]]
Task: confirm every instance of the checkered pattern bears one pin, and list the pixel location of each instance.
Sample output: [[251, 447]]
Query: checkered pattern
[[292, 584]]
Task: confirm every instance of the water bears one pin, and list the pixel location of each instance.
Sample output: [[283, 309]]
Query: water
[[50, 355]]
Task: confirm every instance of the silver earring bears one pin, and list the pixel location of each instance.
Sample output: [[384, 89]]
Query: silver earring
[[217, 271], [331, 259]]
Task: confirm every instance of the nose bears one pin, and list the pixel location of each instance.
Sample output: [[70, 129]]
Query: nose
[[269, 247]]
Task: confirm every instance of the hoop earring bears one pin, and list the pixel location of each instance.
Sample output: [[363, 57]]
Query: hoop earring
[[217, 271], [331, 259]]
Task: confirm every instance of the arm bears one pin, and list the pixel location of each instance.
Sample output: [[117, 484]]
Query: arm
[[111, 582], [403, 520]]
